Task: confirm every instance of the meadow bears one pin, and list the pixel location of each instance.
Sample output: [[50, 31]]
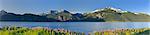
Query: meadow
[[46, 31], [35, 31]]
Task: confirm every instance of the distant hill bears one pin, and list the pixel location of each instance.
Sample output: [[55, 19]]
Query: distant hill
[[4, 16], [100, 15]]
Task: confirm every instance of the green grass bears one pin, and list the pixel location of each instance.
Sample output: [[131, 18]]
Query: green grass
[[46, 31], [143, 31], [39, 31]]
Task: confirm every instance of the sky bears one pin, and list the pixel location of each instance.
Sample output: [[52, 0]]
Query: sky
[[75, 6]]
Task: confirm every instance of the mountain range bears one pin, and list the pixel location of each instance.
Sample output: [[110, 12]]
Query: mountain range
[[108, 14]]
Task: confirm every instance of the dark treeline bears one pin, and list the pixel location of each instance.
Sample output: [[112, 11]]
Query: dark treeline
[[4, 16]]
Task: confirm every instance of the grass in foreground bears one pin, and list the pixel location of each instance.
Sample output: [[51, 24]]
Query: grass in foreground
[[35, 31], [142, 31], [47, 31]]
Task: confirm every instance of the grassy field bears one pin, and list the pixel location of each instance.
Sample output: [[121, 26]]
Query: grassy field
[[47, 31], [142, 31], [35, 31]]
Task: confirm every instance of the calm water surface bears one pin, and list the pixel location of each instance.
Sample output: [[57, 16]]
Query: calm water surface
[[80, 26]]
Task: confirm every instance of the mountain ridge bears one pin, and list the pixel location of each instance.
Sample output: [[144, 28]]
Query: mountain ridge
[[108, 14]]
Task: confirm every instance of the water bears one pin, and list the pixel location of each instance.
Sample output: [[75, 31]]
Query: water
[[80, 26]]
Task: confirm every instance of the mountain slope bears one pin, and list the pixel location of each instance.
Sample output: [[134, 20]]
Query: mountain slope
[[100, 15], [116, 15]]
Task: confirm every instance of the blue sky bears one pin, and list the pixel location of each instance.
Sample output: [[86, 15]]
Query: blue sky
[[82, 6]]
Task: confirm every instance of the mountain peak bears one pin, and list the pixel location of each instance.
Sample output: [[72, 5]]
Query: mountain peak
[[108, 9], [64, 11], [3, 11], [112, 8]]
